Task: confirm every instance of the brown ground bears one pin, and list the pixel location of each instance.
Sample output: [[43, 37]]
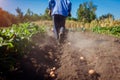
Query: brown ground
[[100, 53]]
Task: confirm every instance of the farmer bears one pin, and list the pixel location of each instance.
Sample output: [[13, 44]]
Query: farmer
[[59, 10]]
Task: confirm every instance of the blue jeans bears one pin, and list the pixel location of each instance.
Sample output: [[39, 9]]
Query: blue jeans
[[59, 24]]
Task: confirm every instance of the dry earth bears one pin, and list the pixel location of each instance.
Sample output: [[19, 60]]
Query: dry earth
[[76, 59]]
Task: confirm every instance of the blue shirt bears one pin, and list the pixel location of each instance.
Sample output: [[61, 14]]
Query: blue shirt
[[61, 7]]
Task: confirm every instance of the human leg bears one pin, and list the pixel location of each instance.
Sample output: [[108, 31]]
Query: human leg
[[62, 28], [59, 27], [55, 27], [62, 24]]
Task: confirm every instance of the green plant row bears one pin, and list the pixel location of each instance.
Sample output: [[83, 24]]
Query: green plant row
[[15, 42], [114, 31]]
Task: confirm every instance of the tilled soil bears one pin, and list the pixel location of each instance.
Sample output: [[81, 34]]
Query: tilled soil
[[87, 51], [81, 53]]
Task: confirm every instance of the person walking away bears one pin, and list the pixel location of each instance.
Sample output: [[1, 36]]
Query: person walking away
[[59, 10]]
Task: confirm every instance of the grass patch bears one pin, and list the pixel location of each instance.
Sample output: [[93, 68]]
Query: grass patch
[[114, 31]]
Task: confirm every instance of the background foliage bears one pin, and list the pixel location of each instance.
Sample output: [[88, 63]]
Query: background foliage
[[6, 18]]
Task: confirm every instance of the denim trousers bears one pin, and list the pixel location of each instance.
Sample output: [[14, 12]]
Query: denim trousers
[[59, 24]]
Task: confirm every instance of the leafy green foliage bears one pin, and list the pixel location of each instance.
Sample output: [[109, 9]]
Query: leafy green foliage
[[109, 15], [14, 43], [115, 31], [86, 12], [31, 16], [46, 16]]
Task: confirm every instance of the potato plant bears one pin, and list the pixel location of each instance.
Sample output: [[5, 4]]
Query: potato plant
[[14, 43], [114, 31]]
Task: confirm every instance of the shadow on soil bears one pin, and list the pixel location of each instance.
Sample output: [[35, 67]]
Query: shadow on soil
[[37, 64]]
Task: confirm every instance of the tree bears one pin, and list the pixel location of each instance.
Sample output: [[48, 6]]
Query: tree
[[71, 18], [20, 14], [6, 19], [105, 16], [86, 12], [29, 12], [46, 16], [29, 15]]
